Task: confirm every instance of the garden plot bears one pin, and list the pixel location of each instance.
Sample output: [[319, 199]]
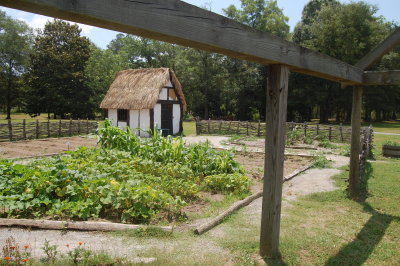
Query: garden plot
[[42, 147]]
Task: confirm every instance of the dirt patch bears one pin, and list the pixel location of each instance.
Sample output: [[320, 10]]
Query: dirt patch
[[253, 163], [44, 146]]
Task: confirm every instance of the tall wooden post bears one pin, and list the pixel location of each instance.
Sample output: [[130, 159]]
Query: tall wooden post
[[354, 176], [277, 91]]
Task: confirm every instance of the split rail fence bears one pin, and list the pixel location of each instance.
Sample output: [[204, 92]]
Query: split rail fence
[[38, 129], [332, 132]]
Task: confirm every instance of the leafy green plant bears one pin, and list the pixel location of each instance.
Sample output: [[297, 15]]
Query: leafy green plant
[[50, 251], [325, 143], [236, 183], [345, 150], [133, 182], [320, 161], [391, 143]]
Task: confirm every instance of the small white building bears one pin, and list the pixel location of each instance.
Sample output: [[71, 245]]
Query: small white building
[[145, 98]]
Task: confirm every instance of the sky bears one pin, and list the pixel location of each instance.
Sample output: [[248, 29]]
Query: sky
[[390, 9]]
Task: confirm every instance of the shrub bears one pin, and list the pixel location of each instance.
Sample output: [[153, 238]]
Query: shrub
[[391, 143], [320, 161], [236, 183]]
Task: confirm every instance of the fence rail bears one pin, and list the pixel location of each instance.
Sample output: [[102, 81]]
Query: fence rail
[[12, 131], [331, 132]]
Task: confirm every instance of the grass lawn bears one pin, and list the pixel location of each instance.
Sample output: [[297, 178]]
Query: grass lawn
[[189, 128]]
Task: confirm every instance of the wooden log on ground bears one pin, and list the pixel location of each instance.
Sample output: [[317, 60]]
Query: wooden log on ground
[[242, 203], [217, 220], [72, 225]]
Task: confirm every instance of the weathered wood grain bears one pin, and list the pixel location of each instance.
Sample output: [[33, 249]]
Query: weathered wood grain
[[277, 91], [381, 49], [181, 23], [391, 77]]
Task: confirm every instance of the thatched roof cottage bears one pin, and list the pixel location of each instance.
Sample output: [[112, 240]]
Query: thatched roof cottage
[[145, 98]]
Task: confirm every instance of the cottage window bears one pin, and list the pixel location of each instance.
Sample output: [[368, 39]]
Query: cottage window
[[122, 115]]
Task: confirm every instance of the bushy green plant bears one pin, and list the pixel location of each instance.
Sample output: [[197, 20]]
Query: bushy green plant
[[320, 161], [236, 183], [200, 158], [130, 179], [391, 143], [293, 136], [325, 143], [345, 150]]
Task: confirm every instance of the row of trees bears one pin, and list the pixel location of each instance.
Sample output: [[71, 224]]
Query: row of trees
[[59, 72]]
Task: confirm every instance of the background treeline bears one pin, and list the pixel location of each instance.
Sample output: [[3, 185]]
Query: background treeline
[[58, 72]]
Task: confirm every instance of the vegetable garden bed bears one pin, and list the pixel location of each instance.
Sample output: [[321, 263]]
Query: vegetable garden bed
[[129, 180]]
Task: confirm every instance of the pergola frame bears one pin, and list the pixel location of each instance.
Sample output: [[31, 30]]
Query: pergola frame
[[177, 22]]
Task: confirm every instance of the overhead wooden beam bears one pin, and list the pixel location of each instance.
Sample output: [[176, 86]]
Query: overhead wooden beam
[[354, 174], [391, 77], [181, 23], [277, 92], [380, 50]]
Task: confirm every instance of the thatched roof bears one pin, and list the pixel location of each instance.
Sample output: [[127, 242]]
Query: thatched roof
[[136, 89]]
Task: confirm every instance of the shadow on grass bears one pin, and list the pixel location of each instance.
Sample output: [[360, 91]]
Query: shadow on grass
[[358, 251]]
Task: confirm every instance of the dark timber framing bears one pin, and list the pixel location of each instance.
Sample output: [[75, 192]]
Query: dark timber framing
[[177, 22], [181, 23], [277, 92]]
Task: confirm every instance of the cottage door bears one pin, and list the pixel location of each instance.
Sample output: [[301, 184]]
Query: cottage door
[[166, 119]]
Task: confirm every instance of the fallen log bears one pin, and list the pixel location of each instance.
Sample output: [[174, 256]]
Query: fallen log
[[217, 220], [240, 204], [72, 225]]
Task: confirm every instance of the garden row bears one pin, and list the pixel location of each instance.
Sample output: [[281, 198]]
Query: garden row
[[22, 130]]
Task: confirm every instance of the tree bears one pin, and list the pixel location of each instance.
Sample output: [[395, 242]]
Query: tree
[[57, 78], [15, 44], [343, 31], [266, 16], [100, 71]]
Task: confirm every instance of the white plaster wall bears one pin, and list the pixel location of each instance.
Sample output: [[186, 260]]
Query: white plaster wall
[[163, 94], [176, 117], [134, 121], [169, 84], [122, 125], [157, 115], [144, 122], [113, 116]]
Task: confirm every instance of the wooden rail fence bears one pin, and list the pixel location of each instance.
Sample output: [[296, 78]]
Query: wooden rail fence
[[13, 131], [332, 132]]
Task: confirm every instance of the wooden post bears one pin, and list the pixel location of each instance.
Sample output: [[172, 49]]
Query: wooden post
[[209, 125], [24, 129], [48, 128], [330, 133], [341, 132], [229, 127], [220, 126], [59, 128], [37, 129], [259, 128], [70, 127], [305, 129], [237, 129], [354, 175], [10, 135], [87, 125], [277, 91], [247, 128], [79, 126], [317, 129]]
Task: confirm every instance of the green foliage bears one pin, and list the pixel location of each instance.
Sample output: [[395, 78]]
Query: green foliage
[[320, 161], [149, 177], [237, 183], [391, 143], [325, 143], [56, 78], [199, 158], [15, 45], [345, 150]]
